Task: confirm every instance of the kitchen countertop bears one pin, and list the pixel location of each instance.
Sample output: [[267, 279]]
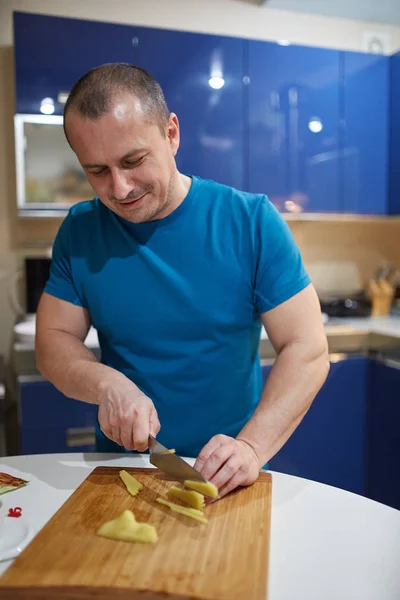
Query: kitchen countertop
[[349, 335], [363, 334], [325, 542]]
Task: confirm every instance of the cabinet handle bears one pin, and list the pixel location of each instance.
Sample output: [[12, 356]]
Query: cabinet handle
[[80, 436], [393, 363]]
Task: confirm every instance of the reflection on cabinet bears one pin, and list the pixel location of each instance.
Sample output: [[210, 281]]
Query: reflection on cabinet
[[51, 53], [201, 76], [294, 102]]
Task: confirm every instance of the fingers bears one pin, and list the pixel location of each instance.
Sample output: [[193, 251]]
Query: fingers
[[129, 425], [227, 463], [140, 430], [231, 484], [216, 464], [126, 436], [226, 471], [206, 452], [154, 423]]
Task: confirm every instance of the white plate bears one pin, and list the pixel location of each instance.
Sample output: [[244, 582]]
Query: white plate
[[15, 535]]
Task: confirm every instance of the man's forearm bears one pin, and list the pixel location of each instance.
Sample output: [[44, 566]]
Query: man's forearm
[[292, 385], [66, 362]]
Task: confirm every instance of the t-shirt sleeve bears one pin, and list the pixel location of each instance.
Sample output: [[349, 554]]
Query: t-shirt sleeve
[[61, 282], [280, 272]]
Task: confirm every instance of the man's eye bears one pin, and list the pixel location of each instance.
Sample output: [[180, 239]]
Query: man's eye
[[134, 163], [99, 172]]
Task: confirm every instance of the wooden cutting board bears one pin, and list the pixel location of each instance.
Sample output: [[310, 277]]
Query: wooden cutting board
[[226, 559]]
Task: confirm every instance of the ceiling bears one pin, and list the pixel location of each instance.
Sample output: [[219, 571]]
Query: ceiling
[[380, 11]]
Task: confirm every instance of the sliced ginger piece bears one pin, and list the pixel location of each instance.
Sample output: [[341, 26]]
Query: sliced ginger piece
[[207, 489], [170, 451], [198, 515], [189, 496], [132, 484], [126, 528]]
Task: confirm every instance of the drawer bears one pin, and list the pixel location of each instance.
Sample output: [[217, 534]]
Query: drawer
[[48, 440], [41, 404]]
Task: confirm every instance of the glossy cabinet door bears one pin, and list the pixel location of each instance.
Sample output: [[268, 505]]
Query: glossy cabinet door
[[394, 147], [51, 53], [384, 465], [187, 66], [365, 142], [51, 422], [293, 143], [330, 444]]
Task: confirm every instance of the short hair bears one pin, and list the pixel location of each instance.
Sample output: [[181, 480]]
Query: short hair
[[93, 95]]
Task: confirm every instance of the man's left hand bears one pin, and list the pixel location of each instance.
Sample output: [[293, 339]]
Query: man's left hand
[[228, 463]]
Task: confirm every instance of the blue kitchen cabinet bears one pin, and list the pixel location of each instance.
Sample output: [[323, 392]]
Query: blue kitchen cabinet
[[51, 53], [330, 444], [51, 422], [394, 140], [384, 462], [293, 101], [187, 66], [365, 133]]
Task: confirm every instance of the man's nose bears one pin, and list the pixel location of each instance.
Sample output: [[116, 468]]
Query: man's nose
[[121, 187]]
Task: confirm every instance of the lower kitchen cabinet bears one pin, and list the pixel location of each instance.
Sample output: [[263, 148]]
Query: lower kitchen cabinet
[[384, 471], [55, 439], [51, 422], [331, 443]]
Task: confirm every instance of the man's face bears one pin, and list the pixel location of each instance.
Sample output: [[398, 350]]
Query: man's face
[[128, 161]]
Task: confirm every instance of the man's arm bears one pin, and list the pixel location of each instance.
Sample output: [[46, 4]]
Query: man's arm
[[125, 413], [296, 331]]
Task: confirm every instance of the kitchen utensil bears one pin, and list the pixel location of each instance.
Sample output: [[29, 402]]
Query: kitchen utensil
[[225, 559], [173, 465]]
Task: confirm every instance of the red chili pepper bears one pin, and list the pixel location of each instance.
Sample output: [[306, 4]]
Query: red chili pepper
[[15, 512]]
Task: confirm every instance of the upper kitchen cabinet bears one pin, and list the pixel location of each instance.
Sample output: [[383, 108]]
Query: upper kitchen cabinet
[[202, 79], [51, 53], [293, 144], [394, 171], [365, 133]]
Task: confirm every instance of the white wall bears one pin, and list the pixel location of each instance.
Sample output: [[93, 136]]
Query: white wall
[[228, 17]]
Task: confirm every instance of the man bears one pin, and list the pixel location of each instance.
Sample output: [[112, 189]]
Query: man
[[177, 274]]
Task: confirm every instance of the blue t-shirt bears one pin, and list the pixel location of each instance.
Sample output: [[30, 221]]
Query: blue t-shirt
[[177, 302]]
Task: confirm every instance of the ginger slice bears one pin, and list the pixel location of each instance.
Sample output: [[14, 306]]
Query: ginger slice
[[193, 513], [126, 528], [190, 497], [207, 489], [132, 484], [170, 451]]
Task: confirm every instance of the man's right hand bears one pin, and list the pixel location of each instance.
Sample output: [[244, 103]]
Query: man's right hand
[[127, 416]]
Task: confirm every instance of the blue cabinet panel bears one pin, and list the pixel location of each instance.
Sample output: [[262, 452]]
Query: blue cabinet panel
[[394, 147], [365, 160], [330, 444], [384, 467], [49, 440], [293, 103], [41, 404], [211, 120], [51, 53]]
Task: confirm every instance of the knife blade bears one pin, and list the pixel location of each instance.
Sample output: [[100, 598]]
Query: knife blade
[[171, 464]]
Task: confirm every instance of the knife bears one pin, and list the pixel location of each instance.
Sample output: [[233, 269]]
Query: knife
[[173, 465]]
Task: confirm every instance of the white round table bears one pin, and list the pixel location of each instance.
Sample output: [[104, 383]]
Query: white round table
[[325, 543]]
